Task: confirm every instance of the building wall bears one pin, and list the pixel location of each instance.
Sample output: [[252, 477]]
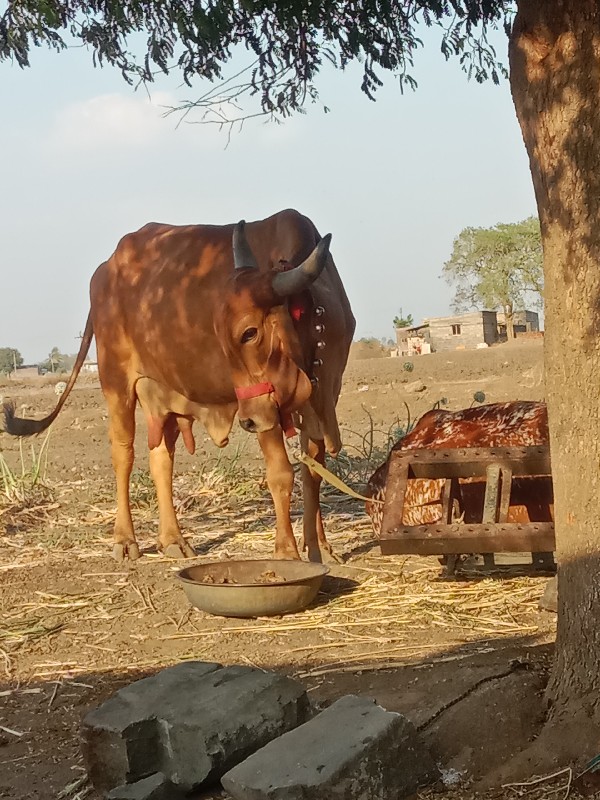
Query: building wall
[[413, 341], [490, 327], [523, 321], [26, 372], [532, 320], [463, 330]]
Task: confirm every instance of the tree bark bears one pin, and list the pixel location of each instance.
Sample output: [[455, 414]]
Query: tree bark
[[509, 321], [555, 82]]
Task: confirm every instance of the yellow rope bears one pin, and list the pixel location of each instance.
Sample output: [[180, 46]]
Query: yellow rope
[[331, 478]]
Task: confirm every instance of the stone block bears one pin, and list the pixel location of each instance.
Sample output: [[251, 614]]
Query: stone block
[[191, 722], [549, 600], [354, 750]]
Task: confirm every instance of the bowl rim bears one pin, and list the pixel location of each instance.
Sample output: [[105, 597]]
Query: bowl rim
[[320, 571]]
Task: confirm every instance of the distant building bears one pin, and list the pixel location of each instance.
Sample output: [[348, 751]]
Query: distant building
[[523, 322], [463, 332], [90, 366], [413, 341], [27, 371]]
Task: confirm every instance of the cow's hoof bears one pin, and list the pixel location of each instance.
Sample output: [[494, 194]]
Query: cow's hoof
[[124, 551], [286, 555], [176, 551]]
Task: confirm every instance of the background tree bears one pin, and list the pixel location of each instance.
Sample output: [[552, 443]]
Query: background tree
[[55, 361], [10, 359], [554, 57], [403, 322], [499, 267]]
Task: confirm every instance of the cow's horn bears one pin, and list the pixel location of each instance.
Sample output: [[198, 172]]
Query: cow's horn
[[298, 279], [242, 254]]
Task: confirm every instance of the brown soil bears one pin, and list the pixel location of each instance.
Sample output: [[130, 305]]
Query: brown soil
[[466, 659]]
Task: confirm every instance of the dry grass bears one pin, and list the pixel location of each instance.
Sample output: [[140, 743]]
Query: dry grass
[[554, 786], [105, 618], [26, 496], [224, 523], [372, 613], [373, 622]]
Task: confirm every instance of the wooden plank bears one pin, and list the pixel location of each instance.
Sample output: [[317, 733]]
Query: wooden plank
[[471, 462], [492, 493], [441, 539], [490, 506], [447, 501], [506, 476]]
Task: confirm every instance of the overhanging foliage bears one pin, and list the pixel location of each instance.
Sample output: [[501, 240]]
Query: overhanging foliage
[[289, 41]]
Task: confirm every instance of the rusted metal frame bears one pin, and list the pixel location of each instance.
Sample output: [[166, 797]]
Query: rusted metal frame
[[450, 493], [490, 505], [443, 539], [494, 536], [396, 485], [473, 462], [544, 560]]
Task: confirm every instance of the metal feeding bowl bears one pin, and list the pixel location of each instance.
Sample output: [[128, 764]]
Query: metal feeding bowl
[[260, 588], [257, 588]]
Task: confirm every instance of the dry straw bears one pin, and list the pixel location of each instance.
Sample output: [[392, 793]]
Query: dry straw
[[373, 611]]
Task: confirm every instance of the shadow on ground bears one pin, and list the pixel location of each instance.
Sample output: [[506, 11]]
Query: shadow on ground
[[476, 706]]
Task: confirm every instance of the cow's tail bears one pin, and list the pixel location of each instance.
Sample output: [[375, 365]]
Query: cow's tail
[[17, 426]]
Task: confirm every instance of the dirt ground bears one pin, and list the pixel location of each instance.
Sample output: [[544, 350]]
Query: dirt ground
[[465, 658]]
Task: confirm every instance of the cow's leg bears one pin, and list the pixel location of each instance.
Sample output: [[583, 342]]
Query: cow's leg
[[122, 432], [314, 539], [280, 479], [170, 540]]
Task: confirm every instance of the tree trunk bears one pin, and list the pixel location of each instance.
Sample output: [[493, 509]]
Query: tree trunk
[[555, 81], [509, 321]]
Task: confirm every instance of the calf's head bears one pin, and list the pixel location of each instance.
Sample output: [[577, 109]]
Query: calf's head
[[258, 337]]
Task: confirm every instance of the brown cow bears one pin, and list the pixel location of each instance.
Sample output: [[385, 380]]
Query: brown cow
[[195, 329], [514, 424]]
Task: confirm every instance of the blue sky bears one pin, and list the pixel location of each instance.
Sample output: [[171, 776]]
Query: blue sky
[[86, 159]]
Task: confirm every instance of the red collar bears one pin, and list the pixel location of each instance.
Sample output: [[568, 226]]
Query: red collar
[[259, 389], [256, 390]]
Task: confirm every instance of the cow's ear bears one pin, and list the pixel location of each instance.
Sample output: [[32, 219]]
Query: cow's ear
[[292, 384]]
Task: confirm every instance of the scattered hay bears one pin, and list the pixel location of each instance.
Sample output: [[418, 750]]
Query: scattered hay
[[17, 630], [376, 620], [76, 790], [372, 612], [51, 613]]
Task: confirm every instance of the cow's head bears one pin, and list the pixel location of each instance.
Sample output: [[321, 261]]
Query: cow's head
[[258, 336]]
